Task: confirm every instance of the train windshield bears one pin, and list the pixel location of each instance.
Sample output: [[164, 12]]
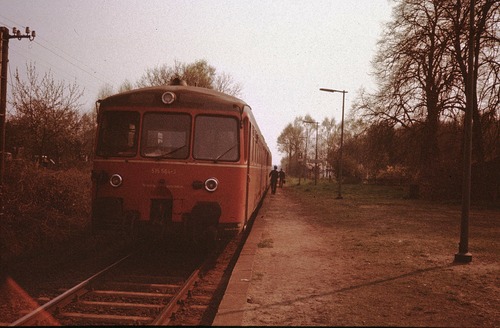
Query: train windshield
[[216, 138], [165, 135], [118, 134]]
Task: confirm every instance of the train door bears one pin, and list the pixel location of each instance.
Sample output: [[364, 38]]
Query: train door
[[248, 157]]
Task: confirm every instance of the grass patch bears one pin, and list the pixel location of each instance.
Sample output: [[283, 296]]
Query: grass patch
[[361, 192], [374, 194], [266, 243], [367, 203]]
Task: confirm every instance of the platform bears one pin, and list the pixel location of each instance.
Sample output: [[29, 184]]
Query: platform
[[232, 307], [283, 275]]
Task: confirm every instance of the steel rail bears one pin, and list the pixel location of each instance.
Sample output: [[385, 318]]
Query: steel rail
[[63, 299], [166, 314]]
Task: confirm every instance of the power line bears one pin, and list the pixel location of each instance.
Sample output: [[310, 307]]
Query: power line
[[68, 61], [45, 63], [87, 70]]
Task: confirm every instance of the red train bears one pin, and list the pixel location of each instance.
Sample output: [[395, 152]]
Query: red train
[[179, 161]]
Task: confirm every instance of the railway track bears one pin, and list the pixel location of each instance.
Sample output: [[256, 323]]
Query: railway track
[[148, 287], [138, 289]]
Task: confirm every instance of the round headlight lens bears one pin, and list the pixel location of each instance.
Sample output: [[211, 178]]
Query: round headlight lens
[[116, 180], [211, 184], [168, 97]]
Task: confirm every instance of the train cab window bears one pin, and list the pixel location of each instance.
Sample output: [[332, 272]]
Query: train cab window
[[118, 134], [216, 138], [165, 135]]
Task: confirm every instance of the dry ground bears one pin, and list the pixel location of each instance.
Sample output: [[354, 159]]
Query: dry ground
[[371, 259]]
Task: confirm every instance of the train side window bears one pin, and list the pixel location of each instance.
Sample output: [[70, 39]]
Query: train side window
[[216, 138], [118, 134], [165, 135]]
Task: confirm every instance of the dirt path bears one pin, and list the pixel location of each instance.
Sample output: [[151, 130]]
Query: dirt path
[[370, 269]]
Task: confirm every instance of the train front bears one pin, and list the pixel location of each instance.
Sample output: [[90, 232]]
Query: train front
[[170, 161]]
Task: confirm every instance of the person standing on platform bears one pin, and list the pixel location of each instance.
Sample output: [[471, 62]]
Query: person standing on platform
[[282, 177], [274, 179]]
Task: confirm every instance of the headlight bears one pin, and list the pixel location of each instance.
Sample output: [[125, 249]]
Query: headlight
[[211, 184], [115, 180], [168, 97]]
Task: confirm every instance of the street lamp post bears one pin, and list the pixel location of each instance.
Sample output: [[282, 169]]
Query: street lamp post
[[463, 255], [305, 155], [316, 157], [341, 137]]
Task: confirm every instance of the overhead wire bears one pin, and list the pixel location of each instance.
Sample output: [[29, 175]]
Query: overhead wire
[[68, 61], [87, 70], [44, 63]]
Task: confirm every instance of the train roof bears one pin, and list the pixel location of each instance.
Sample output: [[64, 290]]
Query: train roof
[[185, 96]]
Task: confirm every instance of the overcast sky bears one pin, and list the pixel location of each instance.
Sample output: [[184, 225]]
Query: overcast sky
[[281, 52]]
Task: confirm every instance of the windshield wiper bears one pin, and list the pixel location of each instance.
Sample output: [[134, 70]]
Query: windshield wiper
[[166, 155], [224, 153]]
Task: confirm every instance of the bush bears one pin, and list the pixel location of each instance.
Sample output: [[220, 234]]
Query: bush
[[392, 175], [43, 207]]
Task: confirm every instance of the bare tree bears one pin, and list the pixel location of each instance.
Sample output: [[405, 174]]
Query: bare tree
[[46, 112], [105, 91], [416, 74], [421, 67], [291, 142], [86, 135], [328, 135], [160, 75], [125, 86], [199, 74], [486, 67], [225, 83]]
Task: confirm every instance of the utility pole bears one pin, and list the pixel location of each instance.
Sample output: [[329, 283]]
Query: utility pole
[[4, 50]]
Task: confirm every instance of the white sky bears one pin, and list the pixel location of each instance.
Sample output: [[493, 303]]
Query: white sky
[[281, 52]]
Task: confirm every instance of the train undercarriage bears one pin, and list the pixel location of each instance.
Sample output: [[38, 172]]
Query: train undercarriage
[[200, 228]]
